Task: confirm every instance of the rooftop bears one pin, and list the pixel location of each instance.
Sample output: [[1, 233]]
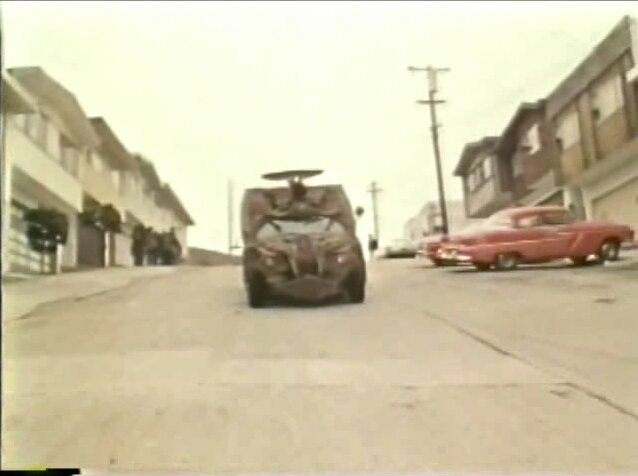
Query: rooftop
[[470, 150]]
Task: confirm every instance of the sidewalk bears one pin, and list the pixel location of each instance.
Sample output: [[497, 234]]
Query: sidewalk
[[628, 259], [22, 296]]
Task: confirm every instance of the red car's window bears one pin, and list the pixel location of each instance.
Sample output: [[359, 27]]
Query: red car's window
[[558, 218], [498, 220], [530, 221]]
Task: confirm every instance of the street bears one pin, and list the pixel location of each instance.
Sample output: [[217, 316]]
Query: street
[[440, 369]]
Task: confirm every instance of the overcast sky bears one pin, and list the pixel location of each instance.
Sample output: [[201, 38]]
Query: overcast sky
[[211, 91]]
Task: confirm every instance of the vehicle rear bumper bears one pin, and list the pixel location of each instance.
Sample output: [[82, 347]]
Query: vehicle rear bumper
[[308, 289]]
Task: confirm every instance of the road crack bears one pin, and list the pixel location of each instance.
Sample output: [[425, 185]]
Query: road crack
[[502, 351]]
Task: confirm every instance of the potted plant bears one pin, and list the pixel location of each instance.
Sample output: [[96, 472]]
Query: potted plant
[[46, 229]]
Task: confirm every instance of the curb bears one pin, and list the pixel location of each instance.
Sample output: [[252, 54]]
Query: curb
[[28, 307]]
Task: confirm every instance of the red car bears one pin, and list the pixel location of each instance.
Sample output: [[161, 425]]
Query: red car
[[431, 250], [430, 247], [531, 235]]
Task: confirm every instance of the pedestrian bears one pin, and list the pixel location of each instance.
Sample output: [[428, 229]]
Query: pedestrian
[[153, 247], [138, 247], [373, 244]]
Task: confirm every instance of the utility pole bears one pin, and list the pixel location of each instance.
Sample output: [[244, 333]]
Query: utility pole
[[432, 102], [230, 217], [374, 191]]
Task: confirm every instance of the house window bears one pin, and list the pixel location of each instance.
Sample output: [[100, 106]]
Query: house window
[[606, 98], [531, 140], [32, 125], [568, 130], [558, 218], [41, 131], [96, 161], [487, 167], [115, 179], [530, 221], [69, 159], [517, 165]]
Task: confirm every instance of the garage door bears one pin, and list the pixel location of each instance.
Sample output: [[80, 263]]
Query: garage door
[[620, 205], [22, 259]]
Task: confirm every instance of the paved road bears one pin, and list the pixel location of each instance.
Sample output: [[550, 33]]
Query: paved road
[[441, 369]]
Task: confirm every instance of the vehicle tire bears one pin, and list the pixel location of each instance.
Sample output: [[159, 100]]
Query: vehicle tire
[[609, 250], [579, 260], [355, 288], [257, 292], [438, 263], [482, 266], [507, 262]]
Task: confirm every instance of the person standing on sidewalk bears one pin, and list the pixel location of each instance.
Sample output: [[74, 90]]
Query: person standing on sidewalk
[[138, 247], [373, 244]]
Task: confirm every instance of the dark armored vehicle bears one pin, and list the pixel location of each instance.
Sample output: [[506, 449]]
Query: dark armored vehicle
[[300, 243]]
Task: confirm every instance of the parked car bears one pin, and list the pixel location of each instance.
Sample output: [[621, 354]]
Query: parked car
[[400, 248], [430, 246], [532, 235], [300, 243]]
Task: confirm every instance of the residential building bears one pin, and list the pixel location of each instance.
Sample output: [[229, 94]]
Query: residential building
[[527, 152], [43, 150], [429, 222], [120, 164], [56, 157], [594, 113], [174, 216], [16, 103], [485, 178]]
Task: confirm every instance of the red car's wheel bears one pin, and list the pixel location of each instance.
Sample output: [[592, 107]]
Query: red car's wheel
[[507, 261], [609, 250]]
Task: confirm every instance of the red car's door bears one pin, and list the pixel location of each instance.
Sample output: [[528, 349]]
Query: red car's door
[[560, 234], [531, 238]]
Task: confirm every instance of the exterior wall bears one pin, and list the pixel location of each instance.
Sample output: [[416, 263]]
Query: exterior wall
[[37, 178], [608, 51], [620, 205], [132, 197], [490, 192], [611, 134], [43, 166], [34, 161], [182, 237], [97, 179], [615, 196], [537, 163], [572, 155], [28, 194], [123, 255], [6, 191], [587, 138], [481, 198]]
